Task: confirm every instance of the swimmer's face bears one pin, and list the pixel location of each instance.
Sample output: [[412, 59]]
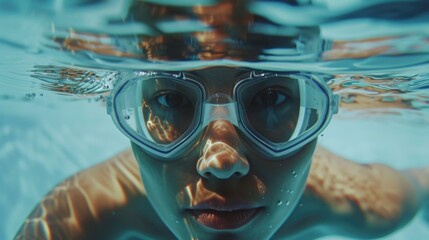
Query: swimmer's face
[[223, 188]]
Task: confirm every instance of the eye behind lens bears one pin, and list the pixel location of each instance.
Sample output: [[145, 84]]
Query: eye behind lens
[[171, 100], [270, 97], [271, 113]]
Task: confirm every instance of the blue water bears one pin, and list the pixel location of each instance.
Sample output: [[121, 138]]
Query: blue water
[[48, 133]]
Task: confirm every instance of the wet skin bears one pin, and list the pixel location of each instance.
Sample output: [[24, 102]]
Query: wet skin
[[109, 201], [222, 186]]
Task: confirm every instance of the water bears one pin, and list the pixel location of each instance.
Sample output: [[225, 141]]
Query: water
[[59, 59]]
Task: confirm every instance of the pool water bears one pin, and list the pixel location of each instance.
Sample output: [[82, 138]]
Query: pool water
[[58, 60]]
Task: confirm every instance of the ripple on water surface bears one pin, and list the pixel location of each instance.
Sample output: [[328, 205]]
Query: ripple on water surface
[[375, 58]]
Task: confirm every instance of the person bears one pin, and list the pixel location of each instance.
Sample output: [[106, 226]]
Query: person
[[226, 153], [220, 151]]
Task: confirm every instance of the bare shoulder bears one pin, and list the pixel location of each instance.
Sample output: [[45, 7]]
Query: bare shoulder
[[105, 201], [357, 200], [108, 201]]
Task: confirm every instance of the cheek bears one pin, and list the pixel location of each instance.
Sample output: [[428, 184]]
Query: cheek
[[163, 180], [286, 173], [164, 184], [285, 182], [288, 190], [285, 185]]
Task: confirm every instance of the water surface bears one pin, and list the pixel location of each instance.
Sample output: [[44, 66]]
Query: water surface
[[60, 59]]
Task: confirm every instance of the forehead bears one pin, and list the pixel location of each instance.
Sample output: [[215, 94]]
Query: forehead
[[219, 77]]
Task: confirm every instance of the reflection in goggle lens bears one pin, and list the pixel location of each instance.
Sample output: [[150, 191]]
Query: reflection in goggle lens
[[271, 107], [274, 111], [168, 109]]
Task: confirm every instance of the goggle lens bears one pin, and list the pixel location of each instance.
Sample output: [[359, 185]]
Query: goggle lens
[[279, 110], [159, 110], [275, 111]]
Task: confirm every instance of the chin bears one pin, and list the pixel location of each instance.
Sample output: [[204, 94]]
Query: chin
[[256, 229]]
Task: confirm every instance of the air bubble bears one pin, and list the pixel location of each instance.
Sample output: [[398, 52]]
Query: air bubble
[[261, 189], [287, 203], [92, 79], [30, 96], [127, 117], [99, 98], [294, 174], [279, 203], [270, 226]]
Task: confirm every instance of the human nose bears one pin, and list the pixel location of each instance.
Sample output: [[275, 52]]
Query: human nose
[[221, 157]]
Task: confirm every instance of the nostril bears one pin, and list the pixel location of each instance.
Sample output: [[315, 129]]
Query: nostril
[[210, 174]]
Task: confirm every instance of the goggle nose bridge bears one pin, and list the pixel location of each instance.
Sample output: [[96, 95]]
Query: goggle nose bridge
[[220, 106]]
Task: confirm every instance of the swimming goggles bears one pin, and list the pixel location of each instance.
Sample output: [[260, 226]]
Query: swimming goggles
[[165, 113]]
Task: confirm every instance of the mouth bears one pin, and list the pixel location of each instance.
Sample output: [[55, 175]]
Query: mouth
[[224, 219]]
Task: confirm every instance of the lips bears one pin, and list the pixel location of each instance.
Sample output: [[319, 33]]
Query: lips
[[224, 219]]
